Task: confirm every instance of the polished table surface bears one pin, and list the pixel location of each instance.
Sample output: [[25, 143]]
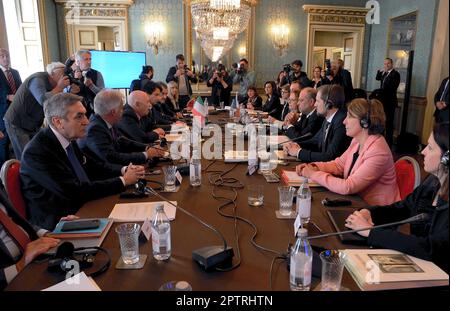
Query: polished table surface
[[188, 235]]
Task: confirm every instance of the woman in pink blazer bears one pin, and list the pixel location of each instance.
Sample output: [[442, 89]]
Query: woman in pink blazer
[[366, 168]]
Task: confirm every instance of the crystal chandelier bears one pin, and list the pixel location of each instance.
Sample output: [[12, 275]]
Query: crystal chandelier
[[217, 23]]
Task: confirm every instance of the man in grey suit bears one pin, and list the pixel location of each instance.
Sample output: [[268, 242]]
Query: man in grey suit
[[25, 115]]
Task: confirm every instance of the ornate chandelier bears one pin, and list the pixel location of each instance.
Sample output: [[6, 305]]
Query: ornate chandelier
[[218, 22]]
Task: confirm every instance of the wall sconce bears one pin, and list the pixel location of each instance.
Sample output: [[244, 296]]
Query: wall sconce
[[280, 38], [242, 50], [154, 32]]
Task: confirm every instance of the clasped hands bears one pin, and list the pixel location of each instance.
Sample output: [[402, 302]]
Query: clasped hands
[[358, 220]]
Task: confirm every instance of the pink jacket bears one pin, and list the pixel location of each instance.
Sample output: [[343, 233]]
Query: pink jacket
[[372, 177]]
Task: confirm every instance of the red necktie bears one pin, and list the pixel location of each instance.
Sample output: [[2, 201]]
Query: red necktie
[[17, 233], [11, 83]]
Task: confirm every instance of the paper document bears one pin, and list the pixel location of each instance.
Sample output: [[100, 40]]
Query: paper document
[[132, 212], [79, 282]]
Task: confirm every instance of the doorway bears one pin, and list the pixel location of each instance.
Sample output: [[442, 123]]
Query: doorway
[[333, 45], [336, 32]]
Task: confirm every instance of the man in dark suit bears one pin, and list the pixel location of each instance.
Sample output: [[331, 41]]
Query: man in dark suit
[[25, 115], [441, 102], [183, 76], [309, 123], [56, 177], [131, 125], [103, 139], [9, 83], [331, 140], [390, 80]]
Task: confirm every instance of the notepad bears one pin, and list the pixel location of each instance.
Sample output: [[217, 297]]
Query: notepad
[[291, 178], [79, 282], [135, 212]]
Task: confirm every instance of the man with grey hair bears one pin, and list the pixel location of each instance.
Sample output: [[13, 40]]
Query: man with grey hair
[[56, 177], [103, 139], [25, 114], [91, 80], [309, 123]]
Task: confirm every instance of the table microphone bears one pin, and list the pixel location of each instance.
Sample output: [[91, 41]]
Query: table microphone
[[307, 135], [166, 154], [207, 257], [418, 218]]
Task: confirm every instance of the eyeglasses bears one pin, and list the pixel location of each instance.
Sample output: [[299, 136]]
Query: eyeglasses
[[283, 91]]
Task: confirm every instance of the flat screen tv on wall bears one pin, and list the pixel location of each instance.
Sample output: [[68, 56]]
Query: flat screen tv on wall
[[118, 68]]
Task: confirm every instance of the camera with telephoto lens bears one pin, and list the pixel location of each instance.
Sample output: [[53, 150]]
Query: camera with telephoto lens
[[287, 68], [328, 65], [69, 73]]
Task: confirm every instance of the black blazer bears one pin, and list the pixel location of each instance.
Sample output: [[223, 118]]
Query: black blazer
[[132, 128], [257, 104], [428, 240], [164, 113], [4, 86], [172, 107], [273, 106], [442, 115], [51, 188], [219, 93], [99, 141], [318, 150], [344, 79], [305, 126], [171, 77], [389, 85]]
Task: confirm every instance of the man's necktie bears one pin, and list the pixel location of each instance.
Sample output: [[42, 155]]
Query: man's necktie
[[325, 134], [79, 171], [11, 83], [113, 134], [17, 233]]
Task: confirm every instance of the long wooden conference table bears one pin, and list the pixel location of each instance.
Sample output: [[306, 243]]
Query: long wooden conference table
[[188, 235]]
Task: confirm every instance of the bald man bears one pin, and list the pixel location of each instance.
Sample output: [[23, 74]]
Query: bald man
[[131, 125]]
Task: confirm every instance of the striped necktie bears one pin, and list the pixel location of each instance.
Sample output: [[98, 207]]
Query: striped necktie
[[11, 83]]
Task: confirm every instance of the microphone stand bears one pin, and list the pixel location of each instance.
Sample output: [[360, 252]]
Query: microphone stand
[[417, 218], [210, 256]]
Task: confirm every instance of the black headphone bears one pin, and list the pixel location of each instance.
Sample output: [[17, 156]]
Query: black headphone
[[66, 252], [329, 103], [444, 159], [365, 122]]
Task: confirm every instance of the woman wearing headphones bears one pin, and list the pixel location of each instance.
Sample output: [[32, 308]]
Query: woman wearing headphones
[[366, 168], [428, 240]]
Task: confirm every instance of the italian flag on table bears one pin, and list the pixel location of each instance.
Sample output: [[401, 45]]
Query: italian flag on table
[[200, 110]]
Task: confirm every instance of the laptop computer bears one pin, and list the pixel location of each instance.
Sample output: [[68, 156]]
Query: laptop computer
[[338, 217]]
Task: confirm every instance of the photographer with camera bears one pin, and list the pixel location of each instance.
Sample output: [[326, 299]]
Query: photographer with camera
[[25, 114], [181, 74], [294, 73], [222, 85], [90, 82], [336, 74], [245, 77]]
